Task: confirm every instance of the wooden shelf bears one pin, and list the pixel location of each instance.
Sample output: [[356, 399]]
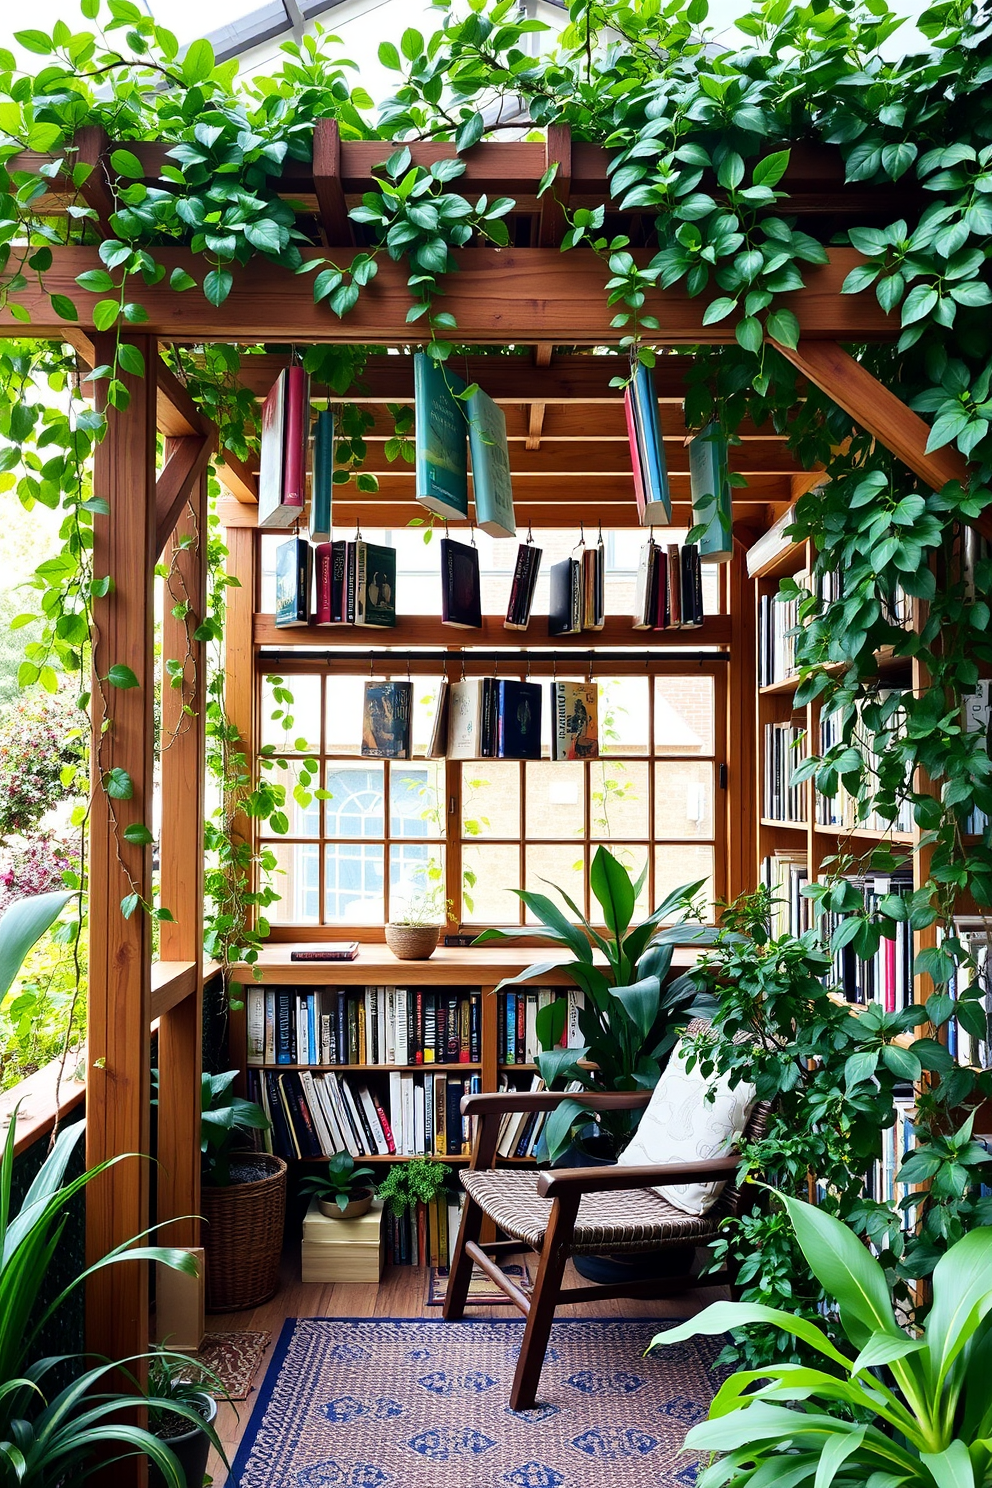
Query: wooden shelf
[[366, 1069], [450, 966], [390, 1157], [509, 1068], [790, 826], [866, 834], [885, 660], [427, 630]]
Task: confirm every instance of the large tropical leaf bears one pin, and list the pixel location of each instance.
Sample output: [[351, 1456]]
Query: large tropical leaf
[[846, 1270], [611, 883], [558, 1127], [952, 1467], [533, 973], [721, 1317], [962, 1299], [552, 918], [24, 923], [550, 1022], [640, 1002], [656, 961], [559, 1064]]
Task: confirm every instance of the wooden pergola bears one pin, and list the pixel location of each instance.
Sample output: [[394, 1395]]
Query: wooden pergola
[[570, 463]]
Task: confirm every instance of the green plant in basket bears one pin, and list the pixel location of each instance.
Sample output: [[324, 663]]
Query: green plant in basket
[[632, 1016], [224, 1118], [342, 1183], [912, 1409]]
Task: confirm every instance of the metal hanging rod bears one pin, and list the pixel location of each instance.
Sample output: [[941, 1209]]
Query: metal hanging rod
[[573, 657]]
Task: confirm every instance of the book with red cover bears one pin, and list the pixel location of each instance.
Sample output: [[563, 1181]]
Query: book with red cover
[[329, 562], [271, 511], [387, 1130], [333, 950], [297, 434]]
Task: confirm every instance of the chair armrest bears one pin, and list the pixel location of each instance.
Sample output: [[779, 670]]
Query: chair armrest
[[559, 1181], [507, 1102]]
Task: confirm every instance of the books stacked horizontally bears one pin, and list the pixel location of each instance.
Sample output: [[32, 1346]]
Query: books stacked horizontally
[[426, 1234], [285, 430], [887, 977], [784, 748], [318, 1114], [785, 873], [647, 449], [777, 620], [668, 594], [363, 1025], [525, 572], [842, 810], [335, 583], [578, 593], [516, 1028]]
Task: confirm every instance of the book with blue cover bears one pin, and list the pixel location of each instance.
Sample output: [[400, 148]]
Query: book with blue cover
[[491, 482], [518, 719], [441, 439], [712, 504], [294, 579], [322, 478], [387, 719], [656, 508]]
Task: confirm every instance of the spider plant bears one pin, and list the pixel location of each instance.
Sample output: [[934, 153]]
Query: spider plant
[[912, 1409], [632, 1014]]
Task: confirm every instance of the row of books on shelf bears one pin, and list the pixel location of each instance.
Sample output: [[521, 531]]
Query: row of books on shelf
[[898, 1141], [668, 593], [778, 620], [520, 1131], [317, 1115], [841, 809], [516, 1025], [785, 874], [483, 718], [783, 801], [967, 1047], [426, 1234], [363, 1026]]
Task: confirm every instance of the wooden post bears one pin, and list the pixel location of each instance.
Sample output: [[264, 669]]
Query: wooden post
[[118, 1078], [182, 768], [240, 702], [739, 799]]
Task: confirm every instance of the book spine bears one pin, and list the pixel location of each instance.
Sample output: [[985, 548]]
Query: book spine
[[454, 1051], [351, 561], [256, 1025], [361, 580], [297, 421], [322, 485], [418, 1029], [322, 615], [270, 1027], [430, 1028], [518, 589], [475, 1027], [303, 575], [285, 1043]]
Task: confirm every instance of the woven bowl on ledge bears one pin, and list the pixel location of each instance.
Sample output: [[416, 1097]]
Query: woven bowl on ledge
[[412, 942]]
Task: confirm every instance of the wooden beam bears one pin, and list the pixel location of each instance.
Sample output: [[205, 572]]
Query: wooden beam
[[235, 476], [172, 983], [185, 461], [93, 149], [327, 184], [180, 1036], [177, 414], [118, 1073], [500, 295], [565, 514], [872, 405], [557, 151], [601, 489], [427, 630], [596, 457], [535, 418]]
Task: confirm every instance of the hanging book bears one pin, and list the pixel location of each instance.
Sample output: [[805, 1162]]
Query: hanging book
[[322, 480], [644, 588], [660, 590], [490, 452], [375, 584], [440, 437], [594, 587], [674, 587], [294, 481], [565, 603], [272, 512], [712, 508], [386, 720], [574, 720], [692, 588], [525, 573], [294, 576], [647, 449], [461, 586], [518, 719], [330, 562], [465, 719], [439, 729]]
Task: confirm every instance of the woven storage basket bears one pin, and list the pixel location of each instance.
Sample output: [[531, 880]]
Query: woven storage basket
[[242, 1237], [412, 942]]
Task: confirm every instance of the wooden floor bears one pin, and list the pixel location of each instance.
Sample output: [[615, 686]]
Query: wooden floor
[[401, 1293]]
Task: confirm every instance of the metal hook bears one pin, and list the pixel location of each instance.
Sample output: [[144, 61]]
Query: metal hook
[[371, 660], [358, 529], [473, 534], [446, 532], [408, 658], [495, 667], [527, 669], [530, 532], [463, 667], [582, 537], [599, 538], [554, 668]]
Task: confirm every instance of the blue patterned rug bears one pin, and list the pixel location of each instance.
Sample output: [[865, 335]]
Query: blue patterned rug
[[408, 1403]]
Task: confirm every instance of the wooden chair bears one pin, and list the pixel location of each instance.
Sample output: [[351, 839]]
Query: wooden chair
[[574, 1211]]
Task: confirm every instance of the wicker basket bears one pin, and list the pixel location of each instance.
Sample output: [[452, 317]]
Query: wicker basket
[[412, 942], [242, 1237]]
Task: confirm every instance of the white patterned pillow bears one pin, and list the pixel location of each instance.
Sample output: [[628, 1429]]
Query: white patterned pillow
[[680, 1125]]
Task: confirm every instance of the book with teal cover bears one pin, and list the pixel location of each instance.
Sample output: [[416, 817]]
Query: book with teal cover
[[491, 482], [440, 437], [712, 506], [322, 479], [654, 471]]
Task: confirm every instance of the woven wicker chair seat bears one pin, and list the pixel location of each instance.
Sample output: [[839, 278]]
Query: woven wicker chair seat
[[633, 1220]]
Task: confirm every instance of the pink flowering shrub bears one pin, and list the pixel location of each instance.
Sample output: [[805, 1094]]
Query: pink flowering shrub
[[34, 866], [34, 751]]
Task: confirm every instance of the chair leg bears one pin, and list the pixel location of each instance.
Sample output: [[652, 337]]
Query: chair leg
[[460, 1275], [544, 1299]]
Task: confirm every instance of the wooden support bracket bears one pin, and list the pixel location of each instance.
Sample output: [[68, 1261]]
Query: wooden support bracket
[[235, 477], [558, 151], [185, 461], [535, 415], [92, 147], [327, 184]]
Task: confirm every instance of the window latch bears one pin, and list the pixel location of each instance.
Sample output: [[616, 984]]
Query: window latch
[[452, 806], [723, 777]]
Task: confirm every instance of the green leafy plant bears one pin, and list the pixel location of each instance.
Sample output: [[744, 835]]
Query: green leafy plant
[[341, 1183], [895, 1406], [419, 1181], [224, 1120], [631, 1016]]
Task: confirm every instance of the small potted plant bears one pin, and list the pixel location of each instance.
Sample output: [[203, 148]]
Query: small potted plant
[[174, 1380], [414, 934], [419, 1181], [243, 1200], [344, 1192]]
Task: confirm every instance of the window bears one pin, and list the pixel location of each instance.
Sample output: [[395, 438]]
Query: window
[[380, 838]]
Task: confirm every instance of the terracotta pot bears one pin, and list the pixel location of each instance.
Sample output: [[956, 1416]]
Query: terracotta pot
[[358, 1206], [242, 1236], [412, 942]]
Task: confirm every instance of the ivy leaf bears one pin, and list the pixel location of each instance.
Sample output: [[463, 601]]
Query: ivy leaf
[[105, 314], [770, 170], [63, 307], [198, 63], [138, 834], [748, 333], [783, 326], [125, 163], [131, 359], [98, 281], [118, 784], [470, 133], [180, 280], [217, 285], [121, 676]]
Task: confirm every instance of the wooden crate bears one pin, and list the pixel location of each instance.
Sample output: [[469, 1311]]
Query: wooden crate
[[343, 1249]]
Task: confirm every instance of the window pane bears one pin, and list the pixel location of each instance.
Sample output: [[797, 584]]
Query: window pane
[[355, 808], [632, 856], [555, 805], [623, 715], [489, 872], [353, 884], [296, 879], [683, 799], [683, 715], [618, 798], [561, 864], [303, 813], [491, 798], [297, 728], [416, 799], [682, 864], [416, 881], [343, 723]]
